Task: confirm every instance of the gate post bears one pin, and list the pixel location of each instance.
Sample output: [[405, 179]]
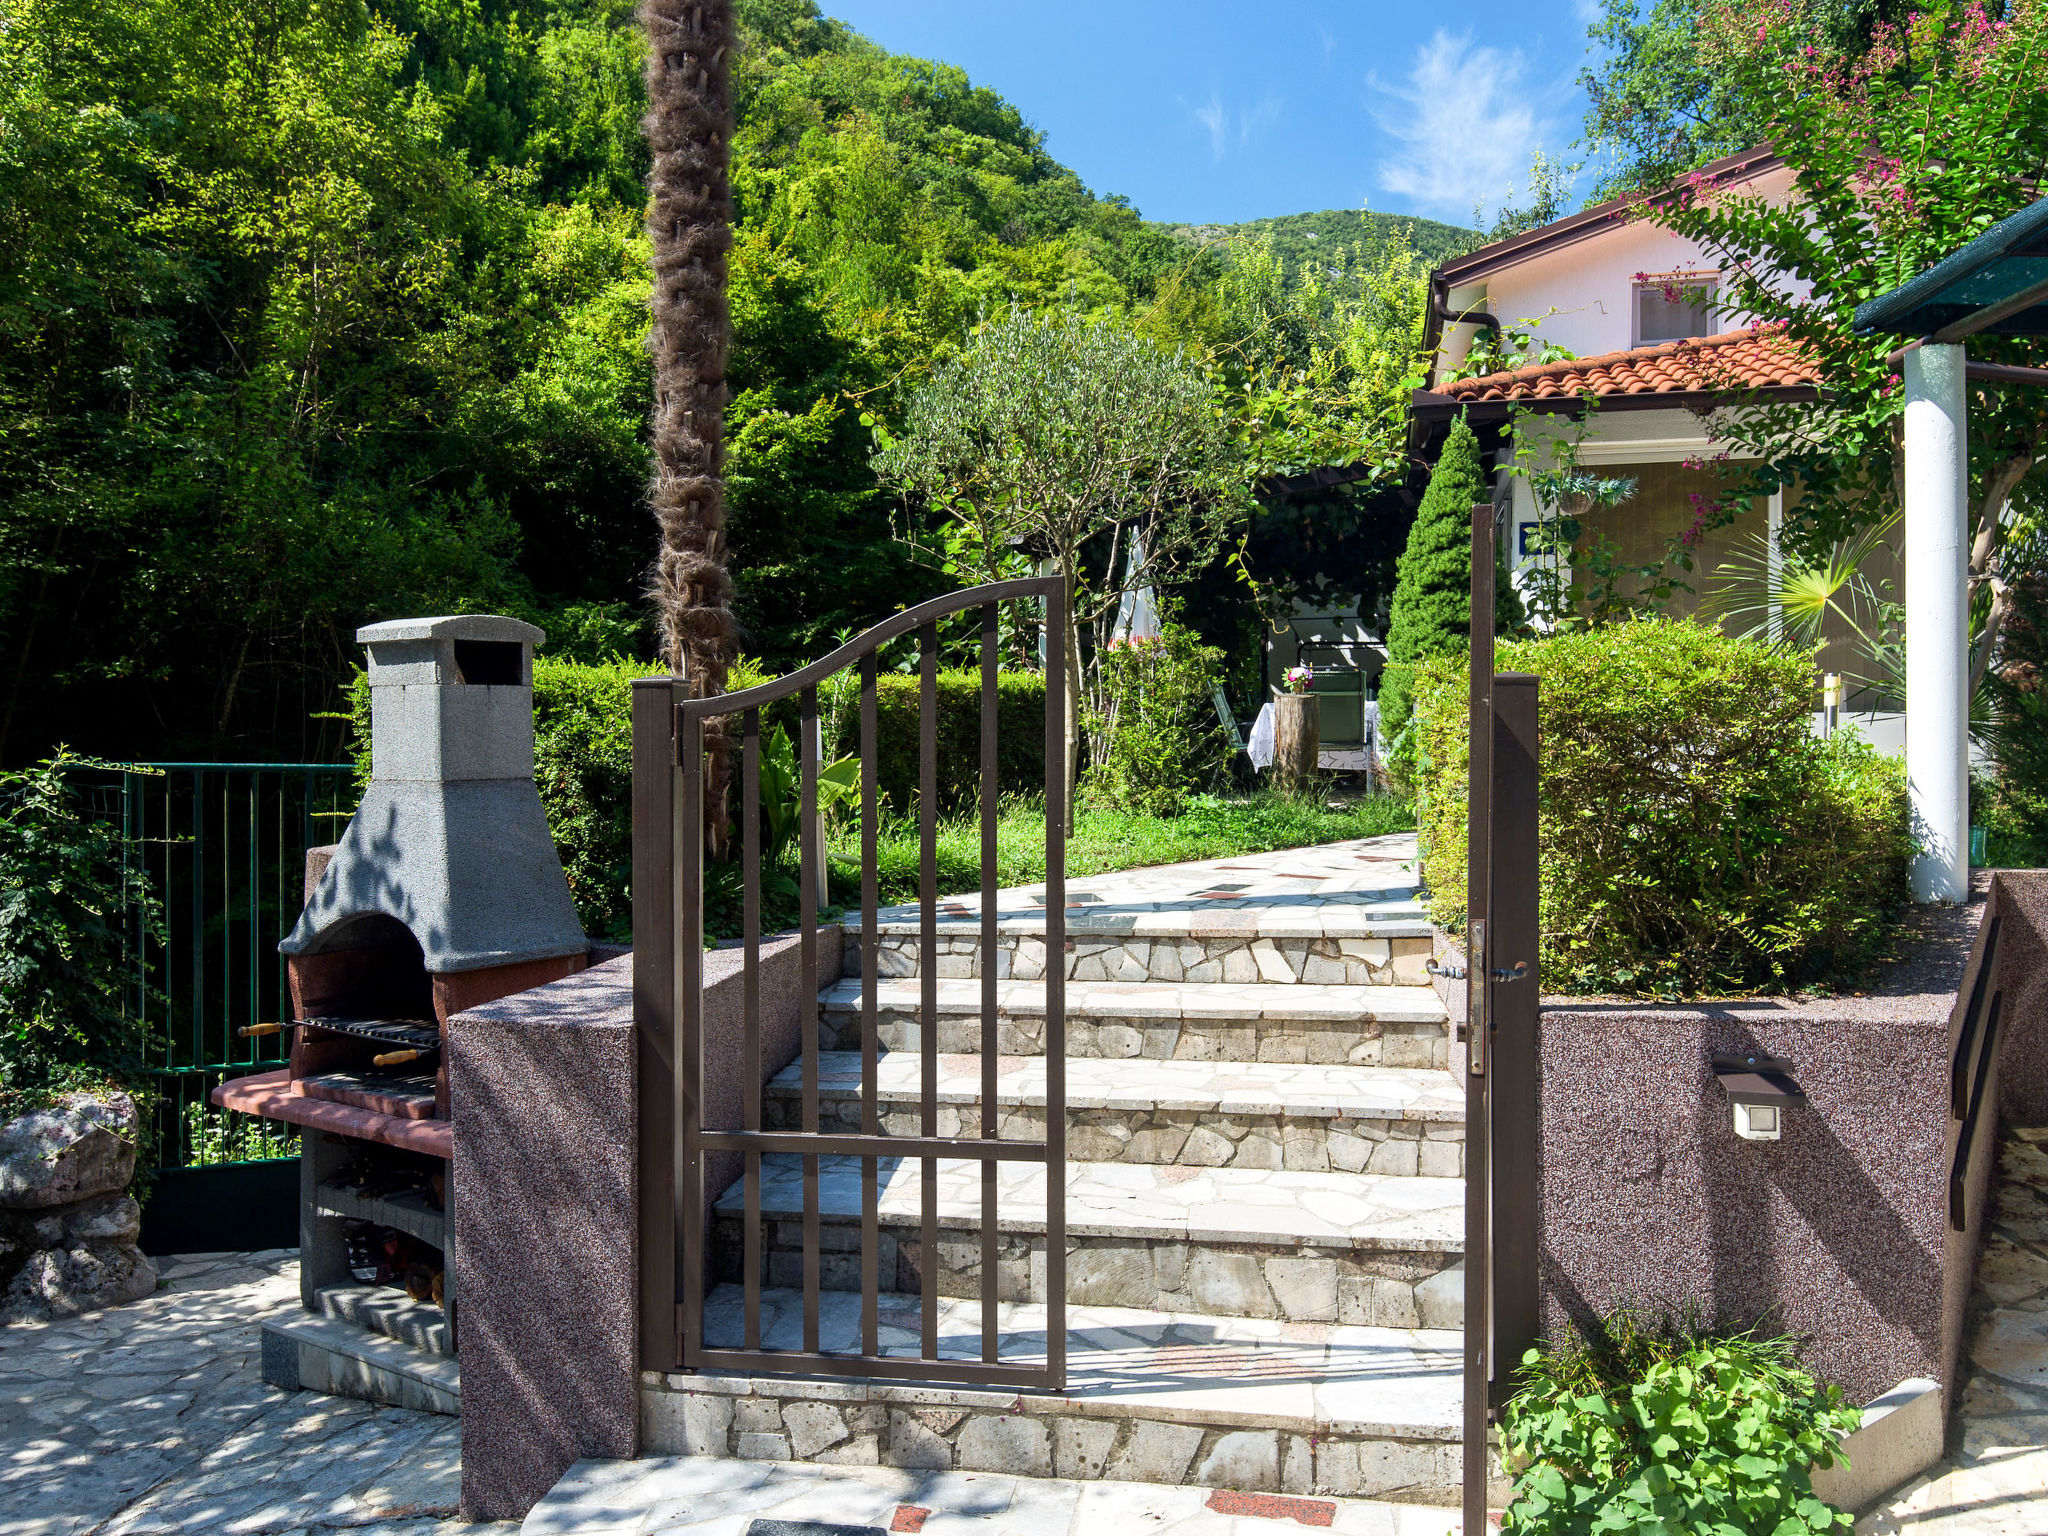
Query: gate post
[[1478, 994], [1511, 1093], [654, 1008]]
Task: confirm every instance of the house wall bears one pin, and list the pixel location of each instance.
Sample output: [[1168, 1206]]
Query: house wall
[[1578, 296]]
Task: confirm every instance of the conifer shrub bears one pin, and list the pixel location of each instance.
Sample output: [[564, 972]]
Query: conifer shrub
[[1432, 607], [1696, 837]]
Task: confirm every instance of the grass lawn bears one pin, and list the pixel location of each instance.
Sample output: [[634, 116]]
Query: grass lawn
[[1210, 828]]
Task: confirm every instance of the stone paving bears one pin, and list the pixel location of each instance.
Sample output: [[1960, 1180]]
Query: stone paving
[[722, 1498], [1995, 1482], [153, 1418]]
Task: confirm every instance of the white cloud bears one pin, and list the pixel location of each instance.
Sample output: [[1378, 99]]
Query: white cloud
[[1466, 122], [1228, 128], [1327, 38], [1586, 12]]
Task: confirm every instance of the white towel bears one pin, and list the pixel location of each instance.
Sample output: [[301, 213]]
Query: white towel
[[1260, 747]]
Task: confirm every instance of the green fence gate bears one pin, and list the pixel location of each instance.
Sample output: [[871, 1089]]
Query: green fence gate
[[223, 846]]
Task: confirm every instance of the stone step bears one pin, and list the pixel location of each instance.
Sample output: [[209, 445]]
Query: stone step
[[1389, 1120], [1165, 1398], [1163, 1021], [789, 1497], [383, 1309], [1353, 1248], [1385, 953], [303, 1351]]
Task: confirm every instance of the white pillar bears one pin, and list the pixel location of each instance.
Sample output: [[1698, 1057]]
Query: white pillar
[[1938, 621]]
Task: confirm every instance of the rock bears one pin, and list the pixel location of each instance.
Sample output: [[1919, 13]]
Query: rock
[[1081, 1447], [1246, 1459], [61, 1282], [82, 1146], [1017, 1445], [812, 1427], [1440, 1300], [1157, 1453]]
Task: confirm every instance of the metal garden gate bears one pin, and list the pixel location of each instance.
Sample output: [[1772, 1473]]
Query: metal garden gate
[[669, 815], [1501, 1162]]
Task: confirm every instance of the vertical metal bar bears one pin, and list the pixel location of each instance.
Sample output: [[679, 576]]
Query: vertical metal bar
[[689, 1077], [1060, 606], [255, 1007], [870, 1041], [227, 921], [928, 975], [654, 1009], [750, 1005], [991, 1121], [1513, 1055], [198, 914], [1479, 792], [807, 990]]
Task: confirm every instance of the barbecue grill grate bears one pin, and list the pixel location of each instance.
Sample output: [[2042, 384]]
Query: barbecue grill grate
[[410, 1034]]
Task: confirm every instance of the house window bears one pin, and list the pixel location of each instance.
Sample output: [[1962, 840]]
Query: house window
[[1673, 306]]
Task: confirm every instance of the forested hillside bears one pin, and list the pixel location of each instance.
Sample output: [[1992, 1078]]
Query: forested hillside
[[1300, 239], [316, 312]]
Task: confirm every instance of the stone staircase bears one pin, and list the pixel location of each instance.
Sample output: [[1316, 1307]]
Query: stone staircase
[[1264, 1202]]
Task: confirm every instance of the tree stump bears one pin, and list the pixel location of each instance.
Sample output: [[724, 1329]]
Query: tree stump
[[1297, 737]]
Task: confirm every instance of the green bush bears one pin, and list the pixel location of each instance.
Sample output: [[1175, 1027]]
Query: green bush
[[70, 902], [1666, 1429], [1163, 740], [1696, 837]]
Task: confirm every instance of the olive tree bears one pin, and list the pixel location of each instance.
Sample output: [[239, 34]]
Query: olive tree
[[1082, 443]]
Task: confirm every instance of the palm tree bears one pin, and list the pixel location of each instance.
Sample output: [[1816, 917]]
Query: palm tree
[[689, 220]]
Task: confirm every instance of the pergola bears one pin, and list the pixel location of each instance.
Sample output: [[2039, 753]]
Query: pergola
[[1996, 285]]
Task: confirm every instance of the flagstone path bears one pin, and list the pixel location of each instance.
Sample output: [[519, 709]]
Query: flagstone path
[[1996, 1482], [153, 1418]]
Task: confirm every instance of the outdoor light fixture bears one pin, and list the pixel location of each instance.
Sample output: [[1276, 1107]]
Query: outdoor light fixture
[[1759, 1089]]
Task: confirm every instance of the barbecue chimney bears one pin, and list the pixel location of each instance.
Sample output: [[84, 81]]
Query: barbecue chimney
[[450, 843]]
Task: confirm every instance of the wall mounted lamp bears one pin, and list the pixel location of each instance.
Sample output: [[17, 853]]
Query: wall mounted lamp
[[1759, 1089]]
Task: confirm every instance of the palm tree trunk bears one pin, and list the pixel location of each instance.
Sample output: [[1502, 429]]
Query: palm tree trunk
[[689, 220]]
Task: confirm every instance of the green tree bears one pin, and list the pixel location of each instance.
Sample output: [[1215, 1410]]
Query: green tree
[[1432, 611], [1664, 99], [1082, 442], [1900, 156]]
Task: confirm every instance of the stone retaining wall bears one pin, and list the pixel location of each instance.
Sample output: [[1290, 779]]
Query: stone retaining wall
[[1300, 1282], [1358, 1042], [871, 1423], [1336, 962], [1183, 1137], [1838, 1232]]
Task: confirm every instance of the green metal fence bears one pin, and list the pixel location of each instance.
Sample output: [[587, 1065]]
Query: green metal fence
[[224, 848]]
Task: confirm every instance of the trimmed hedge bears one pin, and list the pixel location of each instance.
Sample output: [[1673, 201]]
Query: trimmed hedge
[[1020, 735], [1696, 837], [583, 758]]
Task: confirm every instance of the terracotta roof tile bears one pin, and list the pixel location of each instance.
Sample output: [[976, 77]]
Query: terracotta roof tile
[[1736, 360]]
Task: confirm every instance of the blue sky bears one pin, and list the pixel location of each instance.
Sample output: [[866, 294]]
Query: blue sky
[[1206, 111]]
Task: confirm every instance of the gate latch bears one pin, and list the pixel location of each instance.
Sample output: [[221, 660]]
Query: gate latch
[[1448, 972]]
